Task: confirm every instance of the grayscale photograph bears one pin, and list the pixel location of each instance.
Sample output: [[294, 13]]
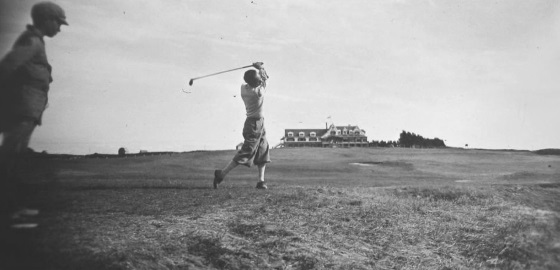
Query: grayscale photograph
[[279, 134]]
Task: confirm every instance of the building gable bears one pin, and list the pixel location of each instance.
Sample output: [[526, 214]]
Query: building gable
[[333, 136]]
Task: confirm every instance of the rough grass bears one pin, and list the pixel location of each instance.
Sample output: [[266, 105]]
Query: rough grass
[[155, 221]]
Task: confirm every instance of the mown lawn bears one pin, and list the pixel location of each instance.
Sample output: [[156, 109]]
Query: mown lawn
[[325, 209]]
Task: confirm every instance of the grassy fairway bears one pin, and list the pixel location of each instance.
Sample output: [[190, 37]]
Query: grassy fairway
[[325, 209]]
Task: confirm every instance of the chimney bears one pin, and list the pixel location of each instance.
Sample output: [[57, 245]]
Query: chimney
[[326, 125]]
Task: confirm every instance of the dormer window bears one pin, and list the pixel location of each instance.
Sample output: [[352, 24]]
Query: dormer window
[[313, 134], [344, 132], [290, 134], [333, 132], [350, 133], [337, 132], [302, 134]]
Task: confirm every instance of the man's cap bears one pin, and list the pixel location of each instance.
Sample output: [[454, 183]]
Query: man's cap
[[48, 10]]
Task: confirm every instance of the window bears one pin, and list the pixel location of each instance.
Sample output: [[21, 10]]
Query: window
[[337, 132], [302, 134], [344, 132], [313, 134], [290, 134], [333, 132], [301, 139], [350, 133]]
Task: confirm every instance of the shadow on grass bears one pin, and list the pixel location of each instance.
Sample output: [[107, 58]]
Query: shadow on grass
[[21, 249]]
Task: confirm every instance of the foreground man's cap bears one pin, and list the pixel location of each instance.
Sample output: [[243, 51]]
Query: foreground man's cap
[[48, 10]]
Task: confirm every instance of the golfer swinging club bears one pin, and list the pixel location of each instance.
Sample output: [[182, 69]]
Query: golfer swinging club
[[255, 148]]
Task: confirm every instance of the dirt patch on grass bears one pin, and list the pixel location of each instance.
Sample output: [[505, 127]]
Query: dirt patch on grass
[[390, 164], [524, 175], [464, 181], [257, 230]]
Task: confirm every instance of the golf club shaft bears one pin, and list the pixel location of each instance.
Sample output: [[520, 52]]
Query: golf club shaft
[[220, 72]]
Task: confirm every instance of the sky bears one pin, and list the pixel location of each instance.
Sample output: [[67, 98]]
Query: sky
[[479, 73]]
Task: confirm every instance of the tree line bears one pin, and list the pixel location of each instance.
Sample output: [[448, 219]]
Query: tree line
[[409, 139]]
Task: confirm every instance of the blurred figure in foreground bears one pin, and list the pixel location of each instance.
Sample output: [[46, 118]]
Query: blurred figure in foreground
[[25, 75]]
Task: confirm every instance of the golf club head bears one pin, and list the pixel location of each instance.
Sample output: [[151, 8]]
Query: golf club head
[[191, 82]]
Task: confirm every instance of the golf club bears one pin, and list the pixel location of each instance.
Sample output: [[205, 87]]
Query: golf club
[[192, 80]]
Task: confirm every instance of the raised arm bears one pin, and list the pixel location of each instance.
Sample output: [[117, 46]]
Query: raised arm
[[262, 72]]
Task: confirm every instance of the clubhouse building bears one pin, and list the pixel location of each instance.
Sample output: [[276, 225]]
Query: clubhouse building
[[333, 136]]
